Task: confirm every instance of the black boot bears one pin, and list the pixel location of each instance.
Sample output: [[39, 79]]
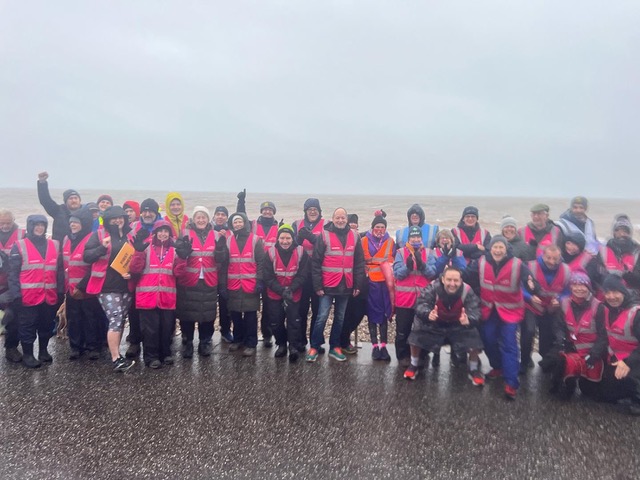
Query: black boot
[[204, 349], [187, 350], [28, 360], [13, 355], [133, 351], [281, 351], [43, 354]]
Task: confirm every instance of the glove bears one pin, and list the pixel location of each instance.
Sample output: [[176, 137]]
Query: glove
[[281, 222], [446, 250], [139, 240], [242, 195], [452, 252], [223, 292], [287, 295], [259, 287], [410, 262], [533, 242], [590, 360], [628, 277], [305, 234], [221, 241], [184, 247], [419, 262]]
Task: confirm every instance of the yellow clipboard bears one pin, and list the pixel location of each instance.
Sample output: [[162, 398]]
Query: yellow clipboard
[[122, 261]]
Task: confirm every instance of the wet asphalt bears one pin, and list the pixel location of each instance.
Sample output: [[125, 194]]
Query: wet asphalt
[[231, 417]]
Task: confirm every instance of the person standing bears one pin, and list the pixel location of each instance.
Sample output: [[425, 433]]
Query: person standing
[[59, 212], [509, 230], [10, 233], [471, 239], [221, 228], [575, 220], [416, 218], [174, 208], [539, 232]]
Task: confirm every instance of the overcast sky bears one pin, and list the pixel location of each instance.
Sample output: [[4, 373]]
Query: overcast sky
[[401, 97]]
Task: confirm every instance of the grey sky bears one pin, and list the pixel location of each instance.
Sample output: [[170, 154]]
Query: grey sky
[[475, 98]]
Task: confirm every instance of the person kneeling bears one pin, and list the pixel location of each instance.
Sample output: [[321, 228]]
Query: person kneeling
[[447, 309]]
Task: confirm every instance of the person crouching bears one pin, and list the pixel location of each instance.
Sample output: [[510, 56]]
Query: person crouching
[[158, 267]]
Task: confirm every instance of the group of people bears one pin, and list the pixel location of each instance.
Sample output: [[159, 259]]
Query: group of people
[[462, 287]]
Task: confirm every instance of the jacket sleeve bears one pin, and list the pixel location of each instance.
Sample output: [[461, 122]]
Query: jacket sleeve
[[441, 262], [459, 262], [301, 275], [93, 250], [358, 266], [317, 257], [261, 259], [487, 241], [559, 330], [471, 276], [429, 270], [472, 308], [15, 265], [179, 267], [4, 262], [270, 279], [633, 360], [49, 205], [600, 346], [400, 270], [138, 262], [426, 302]]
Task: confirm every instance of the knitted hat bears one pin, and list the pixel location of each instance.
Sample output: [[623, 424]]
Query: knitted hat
[[311, 203], [577, 238], [614, 283], [622, 221], [498, 238], [202, 209], [151, 205], [580, 277], [352, 218], [579, 201], [105, 197], [508, 221], [380, 216], [270, 205], [68, 193], [285, 228], [415, 231], [221, 208], [470, 211], [540, 207]]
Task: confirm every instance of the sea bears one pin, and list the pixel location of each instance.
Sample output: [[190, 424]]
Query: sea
[[444, 211]]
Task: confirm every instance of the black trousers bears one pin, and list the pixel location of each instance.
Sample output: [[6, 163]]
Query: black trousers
[[84, 317], [157, 327], [11, 320], [404, 320], [205, 331], [265, 322], [290, 333], [37, 321], [225, 316], [135, 333], [245, 328], [528, 333], [610, 389], [356, 310], [309, 299]]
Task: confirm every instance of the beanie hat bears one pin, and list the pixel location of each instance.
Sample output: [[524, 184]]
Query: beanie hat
[[312, 203], [162, 224], [498, 238], [270, 205], [68, 193], [580, 277], [221, 208], [614, 283], [540, 207], [577, 238], [470, 211], [622, 221], [417, 232], [508, 221], [92, 206], [580, 201], [285, 228], [380, 216], [105, 197], [74, 219], [133, 205], [200, 208], [352, 218], [151, 205]]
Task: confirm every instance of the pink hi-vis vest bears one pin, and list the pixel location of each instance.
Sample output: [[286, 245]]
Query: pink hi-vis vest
[[502, 292], [317, 230], [550, 238], [201, 259], [243, 269], [408, 289], [75, 268], [548, 291], [285, 275], [617, 265], [622, 341], [338, 260], [478, 238], [157, 285], [38, 283], [580, 262], [582, 331], [269, 238]]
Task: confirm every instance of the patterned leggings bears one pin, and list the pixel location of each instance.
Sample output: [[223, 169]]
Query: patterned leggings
[[116, 307]]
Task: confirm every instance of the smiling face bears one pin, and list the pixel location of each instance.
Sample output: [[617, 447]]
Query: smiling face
[[552, 258], [539, 219], [6, 223], [119, 221], [175, 207], [75, 227], [39, 229], [148, 216], [267, 212], [238, 223], [200, 219], [339, 218], [452, 280], [285, 240], [163, 234], [579, 290], [509, 232], [312, 214], [73, 202], [614, 298], [470, 220], [104, 204], [498, 251], [578, 211], [571, 248], [220, 218]]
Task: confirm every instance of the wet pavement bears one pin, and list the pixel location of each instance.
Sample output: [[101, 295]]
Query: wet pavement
[[231, 417]]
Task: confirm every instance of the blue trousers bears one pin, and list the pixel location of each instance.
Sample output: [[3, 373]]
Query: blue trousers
[[317, 334], [501, 347]]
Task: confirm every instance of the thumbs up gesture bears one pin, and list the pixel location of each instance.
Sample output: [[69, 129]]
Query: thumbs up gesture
[[433, 314], [464, 320]]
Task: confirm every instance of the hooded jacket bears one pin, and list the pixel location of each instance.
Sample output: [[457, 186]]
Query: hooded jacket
[[429, 231], [180, 221]]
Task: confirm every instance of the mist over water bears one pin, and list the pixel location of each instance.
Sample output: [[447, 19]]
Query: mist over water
[[441, 210]]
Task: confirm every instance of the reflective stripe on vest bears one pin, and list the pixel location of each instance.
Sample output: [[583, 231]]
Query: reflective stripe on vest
[[75, 268], [243, 269], [99, 268], [478, 238], [202, 259], [580, 262], [317, 230], [269, 238], [285, 275], [502, 292], [408, 289], [338, 260], [548, 291], [616, 265], [38, 282], [582, 331], [550, 238], [622, 341], [157, 285]]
